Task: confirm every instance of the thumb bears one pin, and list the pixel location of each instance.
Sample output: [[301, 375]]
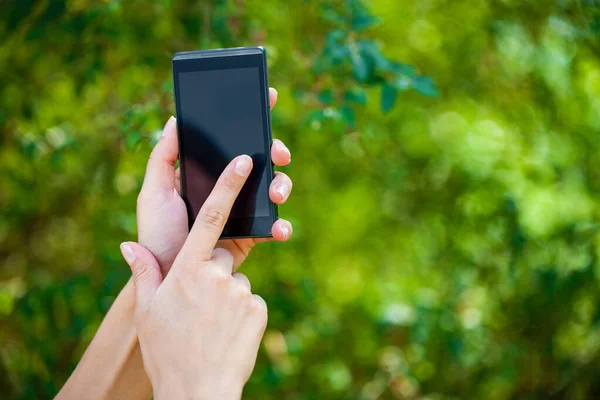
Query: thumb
[[145, 270], [160, 172]]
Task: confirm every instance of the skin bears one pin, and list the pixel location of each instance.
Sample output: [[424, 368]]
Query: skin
[[112, 363], [200, 327]]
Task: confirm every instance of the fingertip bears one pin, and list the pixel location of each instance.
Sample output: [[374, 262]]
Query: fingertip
[[282, 230], [127, 252], [160, 172], [281, 160], [170, 127], [145, 271], [280, 154], [286, 232], [279, 193], [280, 188], [132, 251], [243, 165], [273, 97]]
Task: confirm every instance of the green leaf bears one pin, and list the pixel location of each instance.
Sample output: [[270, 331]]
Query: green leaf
[[320, 64], [30, 147], [376, 79], [334, 52], [362, 22], [334, 36], [388, 97], [425, 86], [316, 116], [338, 53], [360, 68], [404, 83], [332, 16], [370, 51], [357, 96], [348, 115], [132, 139], [326, 96], [403, 69]]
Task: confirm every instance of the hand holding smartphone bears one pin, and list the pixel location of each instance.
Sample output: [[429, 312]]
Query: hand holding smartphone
[[222, 103]]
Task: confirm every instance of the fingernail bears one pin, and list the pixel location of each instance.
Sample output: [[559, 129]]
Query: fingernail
[[284, 148], [286, 232], [243, 165], [275, 90], [127, 252], [283, 190], [168, 126]]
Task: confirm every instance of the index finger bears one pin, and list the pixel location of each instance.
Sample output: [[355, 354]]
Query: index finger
[[214, 213]]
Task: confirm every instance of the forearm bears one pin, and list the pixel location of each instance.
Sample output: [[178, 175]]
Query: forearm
[[111, 367]]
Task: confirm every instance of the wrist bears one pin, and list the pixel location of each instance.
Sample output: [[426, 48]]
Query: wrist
[[207, 391]]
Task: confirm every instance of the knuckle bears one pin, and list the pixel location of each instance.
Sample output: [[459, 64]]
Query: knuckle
[[141, 272], [150, 199], [241, 292], [219, 277], [231, 184], [220, 252], [259, 306], [213, 217], [243, 279]]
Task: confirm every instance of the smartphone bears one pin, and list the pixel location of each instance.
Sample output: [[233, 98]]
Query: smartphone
[[222, 105]]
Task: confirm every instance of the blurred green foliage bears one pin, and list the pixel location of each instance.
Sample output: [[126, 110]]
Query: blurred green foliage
[[445, 247]]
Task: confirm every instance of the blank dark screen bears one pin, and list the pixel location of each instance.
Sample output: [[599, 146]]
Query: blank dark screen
[[221, 117]]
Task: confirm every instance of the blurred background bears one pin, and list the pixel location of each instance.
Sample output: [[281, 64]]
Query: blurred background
[[447, 177]]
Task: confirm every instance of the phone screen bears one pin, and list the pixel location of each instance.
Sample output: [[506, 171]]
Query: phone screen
[[221, 116]]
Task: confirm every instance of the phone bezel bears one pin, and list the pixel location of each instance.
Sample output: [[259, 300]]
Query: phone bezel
[[207, 60]]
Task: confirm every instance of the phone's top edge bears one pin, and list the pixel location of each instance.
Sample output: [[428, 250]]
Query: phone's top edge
[[235, 51]]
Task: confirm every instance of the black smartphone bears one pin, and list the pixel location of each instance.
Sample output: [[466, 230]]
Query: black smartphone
[[222, 104]]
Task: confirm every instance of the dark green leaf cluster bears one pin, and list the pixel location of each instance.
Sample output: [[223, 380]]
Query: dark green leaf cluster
[[353, 55]]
